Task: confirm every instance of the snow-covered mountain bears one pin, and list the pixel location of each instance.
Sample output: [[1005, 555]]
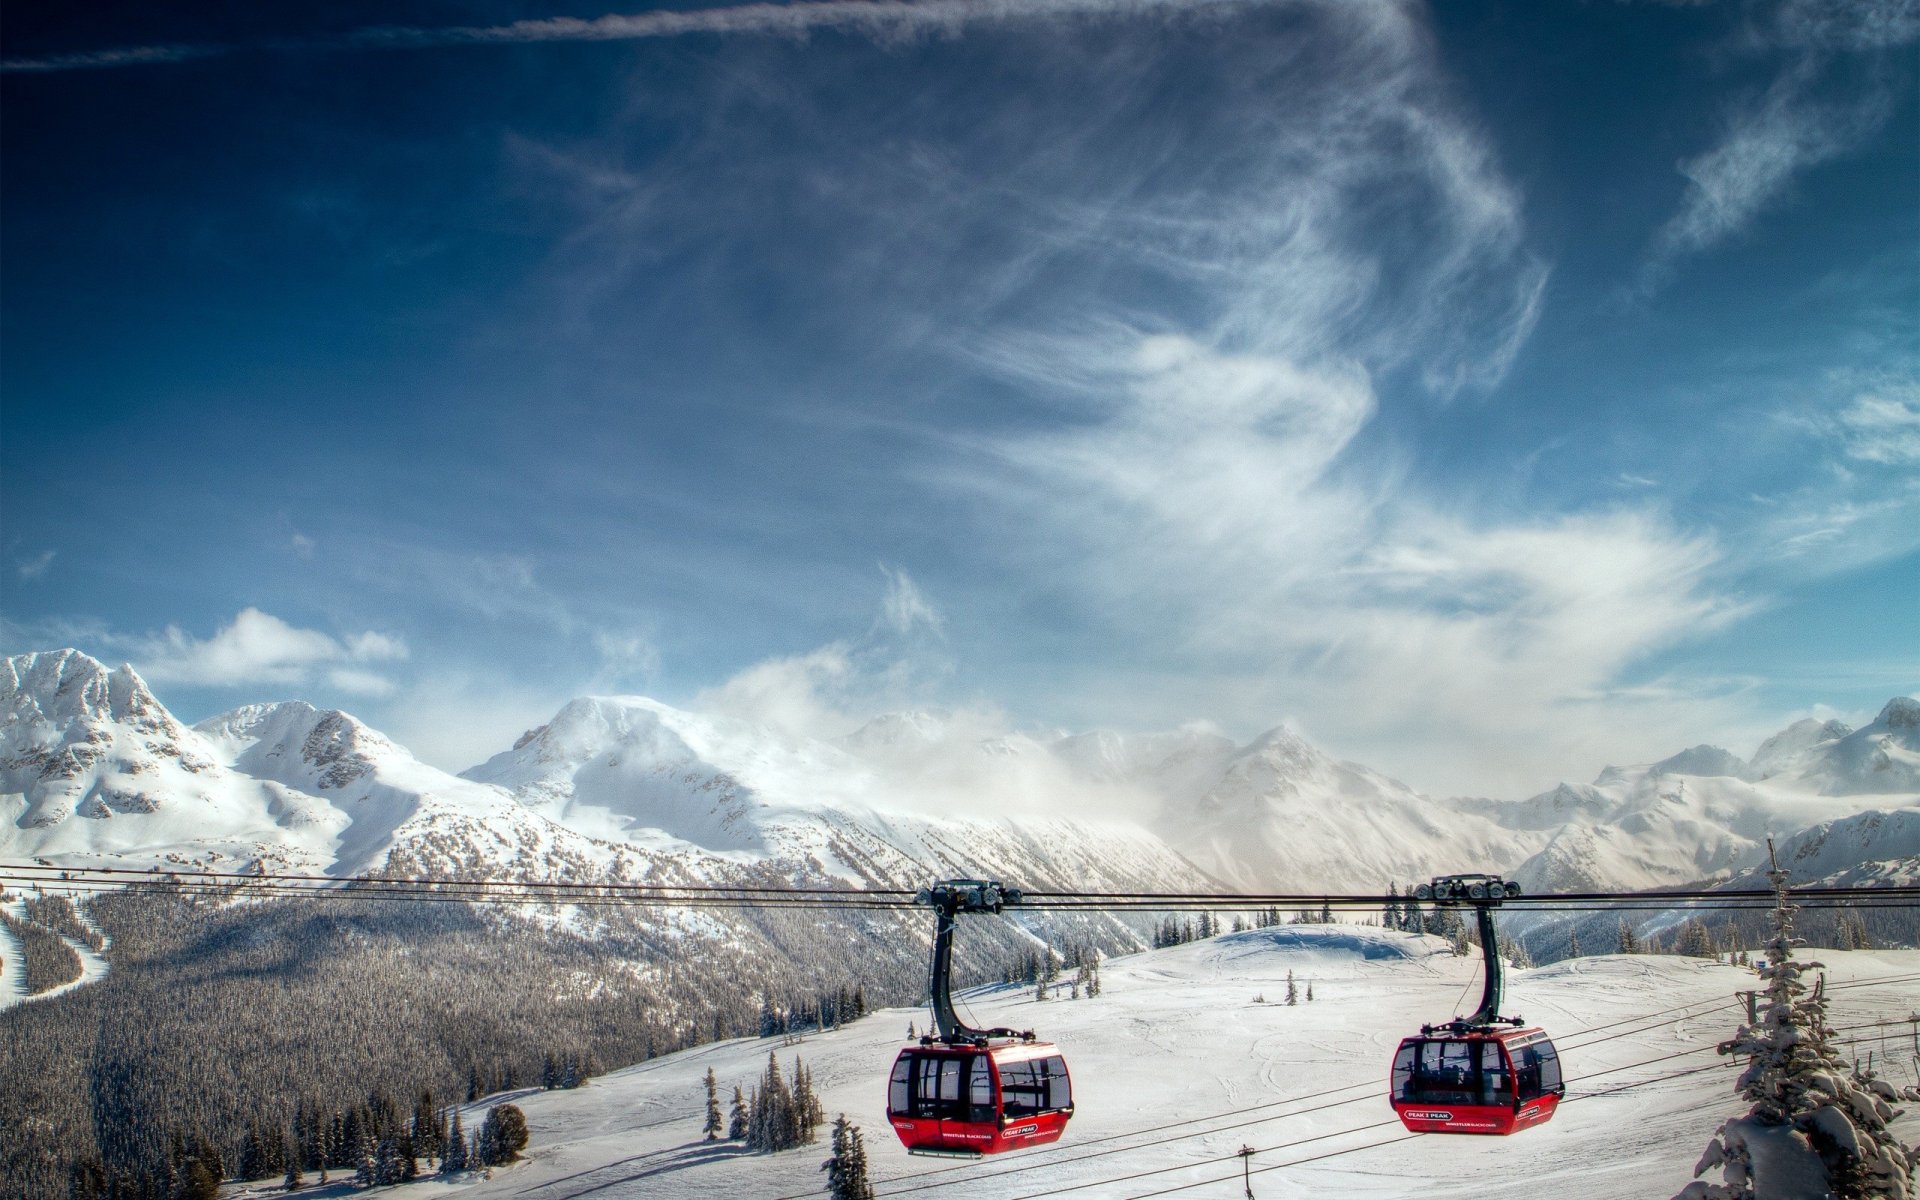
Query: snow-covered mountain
[[91, 764], [93, 767], [1705, 813], [1282, 815], [628, 768], [95, 771]]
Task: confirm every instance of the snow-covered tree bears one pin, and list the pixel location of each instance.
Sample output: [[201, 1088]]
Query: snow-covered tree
[[454, 1157], [1293, 993], [1812, 1115], [1696, 941], [1627, 942], [739, 1118], [503, 1135], [712, 1126], [847, 1168], [806, 1105]]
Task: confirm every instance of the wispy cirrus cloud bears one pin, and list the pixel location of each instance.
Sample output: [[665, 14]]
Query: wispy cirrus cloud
[[1882, 426], [880, 19], [34, 567], [1823, 101]]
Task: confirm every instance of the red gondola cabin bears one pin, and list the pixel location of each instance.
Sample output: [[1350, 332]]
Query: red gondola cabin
[[972, 1100], [1480, 1081]]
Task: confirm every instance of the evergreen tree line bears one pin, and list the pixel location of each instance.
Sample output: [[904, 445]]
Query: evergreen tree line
[[1040, 968], [223, 1025], [1172, 931], [1730, 935], [822, 1011], [48, 961], [224, 1014], [772, 1115], [58, 914]]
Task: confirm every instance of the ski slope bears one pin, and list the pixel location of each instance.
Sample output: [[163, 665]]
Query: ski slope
[[13, 972], [1177, 1036]]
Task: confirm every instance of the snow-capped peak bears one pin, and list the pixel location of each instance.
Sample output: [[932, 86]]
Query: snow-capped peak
[[56, 688], [1701, 760], [300, 745], [1901, 712], [1782, 752]]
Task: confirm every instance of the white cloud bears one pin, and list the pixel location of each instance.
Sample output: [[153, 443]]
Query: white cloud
[[626, 659], [258, 647], [359, 682], [1803, 118], [1764, 147], [1883, 426], [905, 607], [805, 694], [35, 568], [456, 719], [883, 20], [375, 647]]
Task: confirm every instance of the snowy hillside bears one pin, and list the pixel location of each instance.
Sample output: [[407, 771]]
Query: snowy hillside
[[1178, 1064]]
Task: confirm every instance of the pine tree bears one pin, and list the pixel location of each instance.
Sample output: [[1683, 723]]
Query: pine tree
[[806, 1105], [1800, 1086], [1390, 915], [1627, 943], [1293, 993], [453, 1158], [712, 1128], [847, 1168], [1695, 941], [294, 1178], [1413, 918], [1573, 944], [737, 1125], [253, 1157], [386, 1161], [503, 1135], [425, 1126], [1309, 991]]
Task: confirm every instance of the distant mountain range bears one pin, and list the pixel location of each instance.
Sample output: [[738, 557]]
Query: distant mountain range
[[95, 771]]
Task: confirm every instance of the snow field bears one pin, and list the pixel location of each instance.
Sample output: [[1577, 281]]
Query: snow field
[[1177, 1037]]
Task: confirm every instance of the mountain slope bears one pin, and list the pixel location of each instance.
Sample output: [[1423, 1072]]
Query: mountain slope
[[1179, 1036], [1283, 816], [630, 769]]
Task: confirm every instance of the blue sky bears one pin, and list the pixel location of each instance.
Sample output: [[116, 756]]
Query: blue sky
[[1494, 390]]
